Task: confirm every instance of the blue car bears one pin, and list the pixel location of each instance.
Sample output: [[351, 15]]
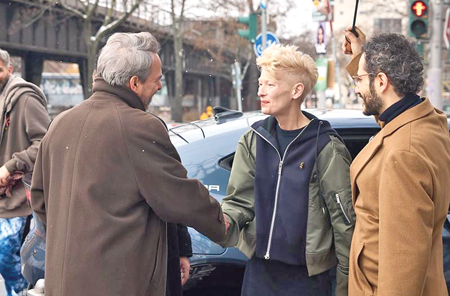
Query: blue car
[[207, 150]]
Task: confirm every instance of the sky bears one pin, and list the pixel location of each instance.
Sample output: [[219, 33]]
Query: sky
[[298, 19]]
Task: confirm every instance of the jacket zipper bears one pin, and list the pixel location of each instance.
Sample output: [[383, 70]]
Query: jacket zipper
[[280, 169], [338, 199]]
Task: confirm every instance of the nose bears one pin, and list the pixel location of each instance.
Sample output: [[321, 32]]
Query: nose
[[159, 85], [357, 89], [261, 92]]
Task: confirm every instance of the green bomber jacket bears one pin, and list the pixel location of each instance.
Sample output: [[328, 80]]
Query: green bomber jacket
[[331, 216]]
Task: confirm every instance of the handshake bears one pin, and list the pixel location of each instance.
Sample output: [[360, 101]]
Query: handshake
[[227, 223]]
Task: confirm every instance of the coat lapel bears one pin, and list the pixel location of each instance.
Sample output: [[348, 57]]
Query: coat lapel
[[362, 159], [372, 147]]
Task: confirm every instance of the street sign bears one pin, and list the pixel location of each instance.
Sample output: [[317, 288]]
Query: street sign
[[447, 27], [322, 10], [271, 39], [263, 4]]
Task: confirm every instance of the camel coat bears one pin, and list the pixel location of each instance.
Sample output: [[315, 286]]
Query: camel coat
[[106, 181], [401, 193]]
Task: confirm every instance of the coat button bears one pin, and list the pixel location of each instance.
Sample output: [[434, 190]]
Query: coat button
[[302, 165]]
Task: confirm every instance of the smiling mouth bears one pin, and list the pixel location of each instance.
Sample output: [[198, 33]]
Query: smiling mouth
[[264, 102]]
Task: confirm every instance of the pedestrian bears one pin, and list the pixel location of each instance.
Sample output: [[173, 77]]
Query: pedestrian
[[288, 206], [400, 180], [24, 121], [108, 179]]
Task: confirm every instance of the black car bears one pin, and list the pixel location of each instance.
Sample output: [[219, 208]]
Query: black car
[[207, 150]]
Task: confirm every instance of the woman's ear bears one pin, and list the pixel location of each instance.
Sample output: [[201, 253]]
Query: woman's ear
[[298, 90]]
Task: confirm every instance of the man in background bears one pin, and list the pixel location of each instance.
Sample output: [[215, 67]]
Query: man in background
[[24, 121]]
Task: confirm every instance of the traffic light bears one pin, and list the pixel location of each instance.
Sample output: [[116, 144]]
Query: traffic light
[[418, 19], [249, 33]]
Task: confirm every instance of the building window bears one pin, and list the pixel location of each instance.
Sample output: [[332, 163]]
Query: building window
[[387, 26]]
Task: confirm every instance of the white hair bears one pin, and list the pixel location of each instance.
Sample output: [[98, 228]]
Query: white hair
[[126, 55]]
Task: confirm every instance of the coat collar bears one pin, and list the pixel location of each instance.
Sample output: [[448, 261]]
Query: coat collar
[[372, 147], [123, 93]]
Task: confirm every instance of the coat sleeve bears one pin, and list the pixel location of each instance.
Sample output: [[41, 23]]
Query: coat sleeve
[[37, 188], [162, 180], [352, 67], [36, 121], [406, 216], [238, 205], [334, 173]]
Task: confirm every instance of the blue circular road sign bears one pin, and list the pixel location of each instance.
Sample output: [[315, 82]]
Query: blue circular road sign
[[270, 39]]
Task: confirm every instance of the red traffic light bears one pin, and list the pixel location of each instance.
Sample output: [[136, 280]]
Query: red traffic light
[[419, 8]]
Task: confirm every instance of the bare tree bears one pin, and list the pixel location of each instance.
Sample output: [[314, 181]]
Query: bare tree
[[177, 31], [113, 15]]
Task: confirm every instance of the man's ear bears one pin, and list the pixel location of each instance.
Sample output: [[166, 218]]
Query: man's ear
[[298, 90], [133, 83], [10, 69], [382, 82]]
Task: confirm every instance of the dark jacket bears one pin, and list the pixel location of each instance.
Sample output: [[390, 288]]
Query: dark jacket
[[104, 185], [179, 246], [24, 121]]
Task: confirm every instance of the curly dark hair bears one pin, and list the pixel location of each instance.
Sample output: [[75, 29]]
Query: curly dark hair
[[395, 56]]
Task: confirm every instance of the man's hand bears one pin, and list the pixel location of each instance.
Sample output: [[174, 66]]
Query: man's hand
[[185, 266], [3, 175], [352, 44], [227, 223]]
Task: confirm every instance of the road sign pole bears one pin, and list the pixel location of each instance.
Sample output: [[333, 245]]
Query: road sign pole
[[237, 72], [434, 87], [264, 23]]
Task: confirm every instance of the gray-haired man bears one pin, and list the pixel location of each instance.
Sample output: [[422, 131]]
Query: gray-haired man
[[24, 121], [107, 179]]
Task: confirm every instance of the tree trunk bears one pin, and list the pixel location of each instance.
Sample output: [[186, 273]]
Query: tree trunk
[[175, 104]]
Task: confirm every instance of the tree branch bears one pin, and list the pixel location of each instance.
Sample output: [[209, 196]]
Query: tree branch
[[73, 10], [91, 11], [104, 30]]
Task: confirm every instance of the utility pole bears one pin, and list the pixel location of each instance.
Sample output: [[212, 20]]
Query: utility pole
[[263, 6], [434, 87]]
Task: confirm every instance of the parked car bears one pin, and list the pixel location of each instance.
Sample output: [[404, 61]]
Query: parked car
[[207, 150]]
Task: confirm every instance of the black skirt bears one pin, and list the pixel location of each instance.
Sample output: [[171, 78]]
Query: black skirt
[[270, 278]]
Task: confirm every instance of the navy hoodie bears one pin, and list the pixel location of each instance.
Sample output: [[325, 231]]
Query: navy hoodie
[[282, 186]]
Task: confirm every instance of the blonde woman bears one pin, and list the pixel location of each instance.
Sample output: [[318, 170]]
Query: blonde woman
[[289, 199]]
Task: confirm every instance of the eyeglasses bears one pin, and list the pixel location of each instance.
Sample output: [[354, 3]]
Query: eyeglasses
[[357, 78]]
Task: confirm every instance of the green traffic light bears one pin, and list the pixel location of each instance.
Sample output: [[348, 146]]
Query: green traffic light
[[251, 22]]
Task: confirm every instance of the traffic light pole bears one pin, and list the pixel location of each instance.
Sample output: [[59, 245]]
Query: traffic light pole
[[434, 88], [264, 25]]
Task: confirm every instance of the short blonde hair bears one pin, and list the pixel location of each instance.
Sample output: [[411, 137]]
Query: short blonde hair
[[288, 59]]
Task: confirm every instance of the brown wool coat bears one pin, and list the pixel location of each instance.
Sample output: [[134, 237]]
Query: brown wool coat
[[106, 178], [401, 195]]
